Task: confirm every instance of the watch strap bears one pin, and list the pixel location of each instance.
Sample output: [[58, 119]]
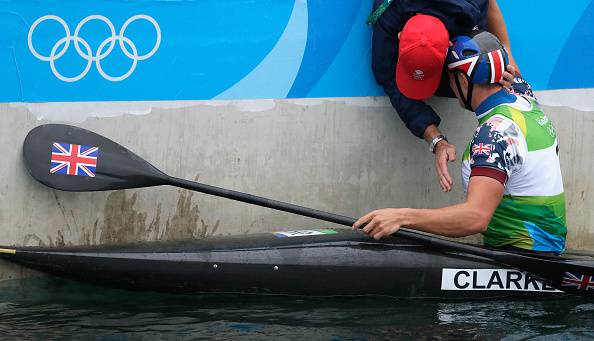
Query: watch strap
[[435, 141]]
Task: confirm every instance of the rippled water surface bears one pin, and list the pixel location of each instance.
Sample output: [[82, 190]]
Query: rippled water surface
[[53, 309]]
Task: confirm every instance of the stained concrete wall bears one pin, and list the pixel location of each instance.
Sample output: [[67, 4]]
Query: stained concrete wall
[[346, 156]]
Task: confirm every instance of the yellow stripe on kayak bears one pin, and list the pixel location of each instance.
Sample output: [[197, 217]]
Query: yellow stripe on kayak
[[9, 251]]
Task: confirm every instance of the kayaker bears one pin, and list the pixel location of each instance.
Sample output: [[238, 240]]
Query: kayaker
[[418, 31], [510, 169]]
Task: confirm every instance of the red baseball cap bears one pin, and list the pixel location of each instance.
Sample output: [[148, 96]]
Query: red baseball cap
[[422, 51]]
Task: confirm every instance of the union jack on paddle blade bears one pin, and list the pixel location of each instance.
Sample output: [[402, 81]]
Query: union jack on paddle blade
[[74, 159]]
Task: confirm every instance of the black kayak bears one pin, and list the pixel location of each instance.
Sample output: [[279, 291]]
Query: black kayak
[[323, 262]]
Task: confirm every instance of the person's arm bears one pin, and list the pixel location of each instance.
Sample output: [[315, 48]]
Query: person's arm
[[444, 152], [496, 25], [465, 219], [423, 122], [418, 117]]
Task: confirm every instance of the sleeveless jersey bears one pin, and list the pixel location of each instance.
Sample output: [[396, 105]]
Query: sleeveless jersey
[[516, 144]]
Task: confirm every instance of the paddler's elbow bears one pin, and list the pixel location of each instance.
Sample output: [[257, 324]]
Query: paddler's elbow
[[469, 229], [466, 229], [473, 222], [479, 223], [477, 228]]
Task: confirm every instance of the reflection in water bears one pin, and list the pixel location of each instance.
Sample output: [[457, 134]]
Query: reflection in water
[[57, 309]]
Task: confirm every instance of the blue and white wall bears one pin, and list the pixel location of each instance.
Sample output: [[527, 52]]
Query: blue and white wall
[[184, 50], [242, 49], [271, 97]]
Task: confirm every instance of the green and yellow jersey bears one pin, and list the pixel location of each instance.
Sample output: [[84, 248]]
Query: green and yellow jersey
[[516, 144]]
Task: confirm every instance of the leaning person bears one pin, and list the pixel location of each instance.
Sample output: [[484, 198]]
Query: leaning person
[[510, 169], [409, 45]]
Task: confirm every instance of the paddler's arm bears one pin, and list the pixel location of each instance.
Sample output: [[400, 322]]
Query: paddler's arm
[[465, 219]]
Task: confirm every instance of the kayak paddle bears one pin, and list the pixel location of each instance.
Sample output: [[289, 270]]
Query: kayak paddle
[[69, 158]]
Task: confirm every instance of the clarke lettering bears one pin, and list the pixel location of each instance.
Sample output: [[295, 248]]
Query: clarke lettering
[[475, 285], [517, 277], [457, 277], [547, 287], [530, 280], [491, 279], [495, 280]]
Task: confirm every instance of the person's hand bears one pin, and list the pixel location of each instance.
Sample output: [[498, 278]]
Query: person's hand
[[444, 152], [380, 223], [508, 76]]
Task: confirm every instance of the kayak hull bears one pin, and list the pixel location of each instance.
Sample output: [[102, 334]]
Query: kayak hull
[[312, 262]]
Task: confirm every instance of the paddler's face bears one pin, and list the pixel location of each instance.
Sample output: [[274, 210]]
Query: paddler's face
[[463, 84]]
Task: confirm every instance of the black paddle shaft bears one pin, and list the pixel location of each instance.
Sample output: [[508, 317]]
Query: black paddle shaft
[[261, 201], [321, 215]]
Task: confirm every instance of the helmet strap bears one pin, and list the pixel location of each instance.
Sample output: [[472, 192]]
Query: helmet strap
[[468, 103], [466, 100]]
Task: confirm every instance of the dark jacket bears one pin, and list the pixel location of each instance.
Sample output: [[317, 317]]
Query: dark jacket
[[459, 17]]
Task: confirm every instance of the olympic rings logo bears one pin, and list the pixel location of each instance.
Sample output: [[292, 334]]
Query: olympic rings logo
[[104, 49]]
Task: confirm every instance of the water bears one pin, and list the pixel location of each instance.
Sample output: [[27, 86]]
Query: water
[[55, 309]]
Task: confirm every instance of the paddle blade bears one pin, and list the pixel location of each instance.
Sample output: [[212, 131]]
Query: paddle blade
[[74, 159]]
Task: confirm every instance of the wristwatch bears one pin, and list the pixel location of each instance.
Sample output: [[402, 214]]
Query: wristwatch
[[434, 142]]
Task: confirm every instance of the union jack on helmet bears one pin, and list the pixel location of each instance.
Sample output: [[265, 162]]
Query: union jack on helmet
[[481, 57]]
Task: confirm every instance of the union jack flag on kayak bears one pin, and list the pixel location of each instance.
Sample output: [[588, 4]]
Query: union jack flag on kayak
[[74, 159], [580, 282]]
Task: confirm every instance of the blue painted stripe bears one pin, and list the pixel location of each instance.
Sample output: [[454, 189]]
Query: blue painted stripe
[[264, 81]]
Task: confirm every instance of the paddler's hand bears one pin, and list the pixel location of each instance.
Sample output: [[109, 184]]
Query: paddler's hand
[[444, 152], [381, 223], [508, 76]]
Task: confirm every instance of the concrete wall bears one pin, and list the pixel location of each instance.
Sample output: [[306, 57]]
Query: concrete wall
[[346, 156]]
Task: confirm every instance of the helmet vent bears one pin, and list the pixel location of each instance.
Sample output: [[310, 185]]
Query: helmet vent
[[469, 52]]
